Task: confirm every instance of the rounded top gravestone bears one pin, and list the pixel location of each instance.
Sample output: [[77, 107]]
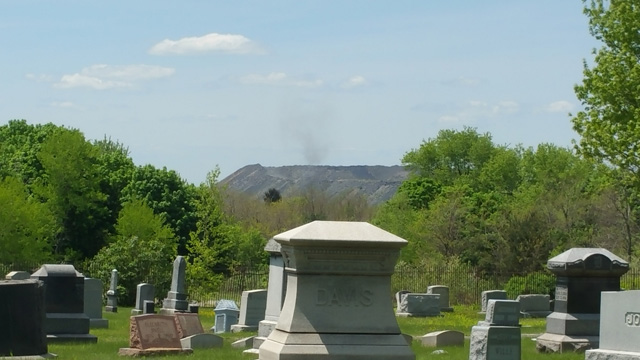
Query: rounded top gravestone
[[587, 262]]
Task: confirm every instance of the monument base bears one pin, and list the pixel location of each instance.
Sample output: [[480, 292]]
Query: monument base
[[98, 323], [238, 328], [61, 338], [600, 354], [556, 343], [153, 352], [282, 345]]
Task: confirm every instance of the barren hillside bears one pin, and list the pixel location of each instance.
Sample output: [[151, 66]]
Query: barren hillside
[[376, 183]]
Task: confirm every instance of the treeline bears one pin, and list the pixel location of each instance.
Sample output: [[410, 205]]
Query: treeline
[[467, 200], [68, 199]]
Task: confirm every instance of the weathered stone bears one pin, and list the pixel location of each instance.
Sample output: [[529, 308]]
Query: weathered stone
[[442, 338], [112, 293], [188, 324], [419, 305], [226, 314], [252, 310], [534, 305], [176, 300], [443, 291], [338, 301], [153, 331], [492, 295]]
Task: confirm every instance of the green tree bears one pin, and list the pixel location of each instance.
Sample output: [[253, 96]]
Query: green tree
[[142, 250], [71, 187], [27, 226], [168, 195], [609, 124]]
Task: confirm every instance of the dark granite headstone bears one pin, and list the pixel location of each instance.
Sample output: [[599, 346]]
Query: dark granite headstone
[[581, 275], [22, 318]]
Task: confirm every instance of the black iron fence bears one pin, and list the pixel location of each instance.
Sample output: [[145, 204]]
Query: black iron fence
[[465, 283]]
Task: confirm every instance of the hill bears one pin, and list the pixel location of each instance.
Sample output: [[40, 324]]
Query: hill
[[376, 183]]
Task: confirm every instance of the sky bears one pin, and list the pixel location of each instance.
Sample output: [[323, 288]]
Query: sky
[[198, 85]]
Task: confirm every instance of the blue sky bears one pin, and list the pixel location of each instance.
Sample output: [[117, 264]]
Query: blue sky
[[192, 85]]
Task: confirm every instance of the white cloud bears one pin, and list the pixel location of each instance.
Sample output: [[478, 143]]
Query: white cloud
[[354, 81], [448, 119], [227, 43], [280, 79], [476, 110], [559, 106], [103, 77], [506, 107]]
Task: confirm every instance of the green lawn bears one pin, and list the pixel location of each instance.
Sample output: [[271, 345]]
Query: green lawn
[[462, 319]]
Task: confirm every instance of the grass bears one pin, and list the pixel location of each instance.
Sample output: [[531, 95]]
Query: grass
[[462, 319]]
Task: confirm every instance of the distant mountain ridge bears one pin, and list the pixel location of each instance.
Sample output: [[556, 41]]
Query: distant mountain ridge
[[376, 183]]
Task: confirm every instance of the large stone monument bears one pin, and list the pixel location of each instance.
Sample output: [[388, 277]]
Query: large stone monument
[[582, 274], [93, 303], [64, 304], [498, 336], [338, 300], [619, 327], [252, 308], [112, 293], [176, 300], [22, 316]]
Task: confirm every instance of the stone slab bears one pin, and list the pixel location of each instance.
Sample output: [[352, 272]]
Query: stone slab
[[201, 341], [153, 331], [153, 352], [30, 357], [442, 338], [17, 275], [244, 343], [495, 343], [64, 338], [556, 343]]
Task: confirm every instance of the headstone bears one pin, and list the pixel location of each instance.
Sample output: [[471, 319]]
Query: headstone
[[144, 292], [149, 307], [619, 327], [581, 275], [442, 338], [112, 293], [498, 336], [226, 314], [338, 301], [22, 315], [443, 291], [153, 335], [492, 295], [275, 294], [252, 308], [193, 308], [65, 319], [93, 303], [419, 305], [534, 305], [399, 295], [176, 300], [191, 333], [243, 343], [17, 275]]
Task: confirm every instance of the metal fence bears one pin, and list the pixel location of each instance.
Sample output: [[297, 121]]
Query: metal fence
[[465, 283]]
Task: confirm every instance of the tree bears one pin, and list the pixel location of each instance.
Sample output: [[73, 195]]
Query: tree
[[28, 227], [142, 250], [609, 125], [271, 196], [71, 187], [168, 195]]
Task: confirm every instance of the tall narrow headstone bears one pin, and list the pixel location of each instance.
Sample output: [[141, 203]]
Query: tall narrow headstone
[[498, 336], [112, 293], [338, 302], [22, 317], [176, 300], [252, 308], [582, 274], [93, 303], [276, 289], [64, 304], [144, 292]]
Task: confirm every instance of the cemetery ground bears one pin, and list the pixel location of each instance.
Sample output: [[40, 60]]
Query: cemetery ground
[[462, 319]]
